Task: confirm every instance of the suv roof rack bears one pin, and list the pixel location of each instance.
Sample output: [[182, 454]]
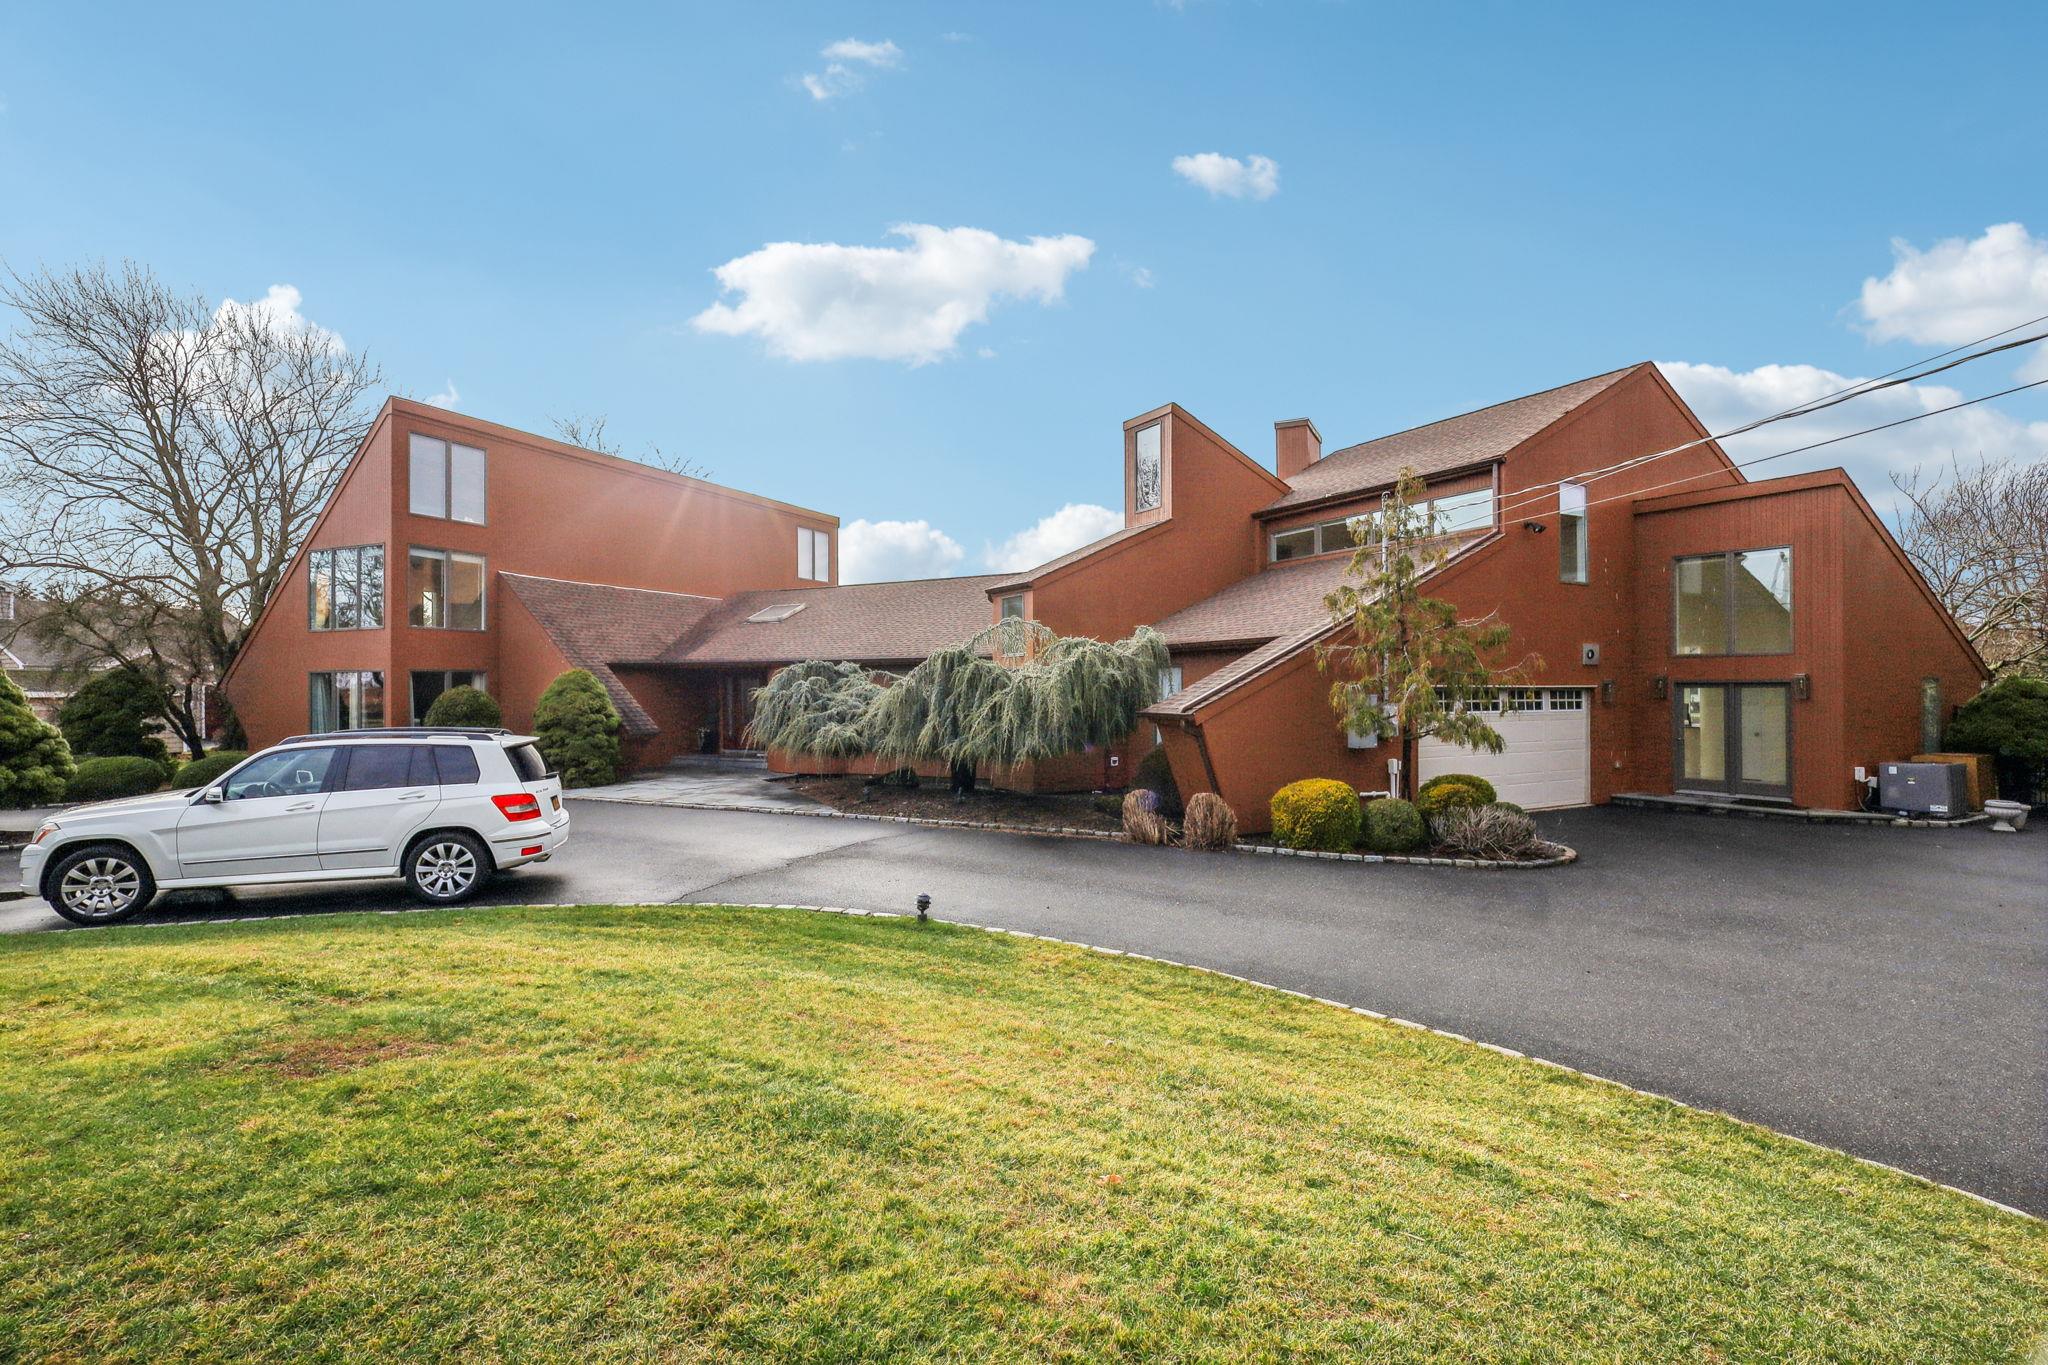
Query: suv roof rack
[[402, 731]]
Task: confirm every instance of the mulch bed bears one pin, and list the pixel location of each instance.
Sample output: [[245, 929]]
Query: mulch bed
[[933, 801]]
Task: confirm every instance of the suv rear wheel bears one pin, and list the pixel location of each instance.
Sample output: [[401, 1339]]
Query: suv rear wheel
[[99, 884], [447, 867]]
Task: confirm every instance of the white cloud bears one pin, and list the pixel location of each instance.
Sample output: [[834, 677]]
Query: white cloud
[[848, 64], [1140, 276], [1725, 398], [1256, 177], [1958, 290], [447, 397], [1075, 525], [878, 551], [825, 301], [279, 306]]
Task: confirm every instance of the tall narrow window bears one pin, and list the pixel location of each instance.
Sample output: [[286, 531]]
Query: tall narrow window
[[1571, 533], [447, 480], [813, 555], [1147, 480], [1930, 715], [345, 588]]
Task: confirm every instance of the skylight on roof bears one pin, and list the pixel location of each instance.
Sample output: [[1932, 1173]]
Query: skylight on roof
[[781, 611]]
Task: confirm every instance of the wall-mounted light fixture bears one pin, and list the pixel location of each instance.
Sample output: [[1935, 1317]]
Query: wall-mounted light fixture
[[1533, 527], [1802, 686], [1607, 691], [1660, 687]]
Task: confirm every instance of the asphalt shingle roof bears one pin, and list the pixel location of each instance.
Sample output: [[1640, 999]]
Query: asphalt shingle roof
[[863, 622], [1454, 443], [1277, 601], [596, 625]]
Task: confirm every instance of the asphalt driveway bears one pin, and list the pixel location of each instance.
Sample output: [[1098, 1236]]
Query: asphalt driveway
[[1882, 991]]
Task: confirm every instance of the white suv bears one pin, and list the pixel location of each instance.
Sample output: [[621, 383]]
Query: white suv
[[442, 808]]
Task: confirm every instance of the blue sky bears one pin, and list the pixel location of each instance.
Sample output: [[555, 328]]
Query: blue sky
[[525, 206]]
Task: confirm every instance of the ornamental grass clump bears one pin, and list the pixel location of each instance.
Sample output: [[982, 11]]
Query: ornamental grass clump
[[1209, 823], [1318, 813], [1143, 824], [1394, 826], [1493, 832]]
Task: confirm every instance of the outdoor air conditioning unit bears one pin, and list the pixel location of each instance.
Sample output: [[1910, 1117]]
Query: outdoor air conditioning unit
[[1923, 789]]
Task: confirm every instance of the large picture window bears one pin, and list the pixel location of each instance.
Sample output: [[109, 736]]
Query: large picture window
[[445, 590], [1738, 602], [346, 701], [447, 480], [345, 588], [813, 555]]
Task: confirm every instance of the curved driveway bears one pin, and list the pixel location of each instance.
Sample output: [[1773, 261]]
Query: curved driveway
[[1882, 991]]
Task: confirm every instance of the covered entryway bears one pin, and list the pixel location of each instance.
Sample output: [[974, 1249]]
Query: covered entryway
[[1548, 759]]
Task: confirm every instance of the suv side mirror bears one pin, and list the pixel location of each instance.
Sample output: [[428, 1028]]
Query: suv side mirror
[[213, 796]]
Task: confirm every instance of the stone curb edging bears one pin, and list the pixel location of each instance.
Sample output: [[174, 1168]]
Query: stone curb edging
[[1567, 855], [1362, 1011], [1866, 819]]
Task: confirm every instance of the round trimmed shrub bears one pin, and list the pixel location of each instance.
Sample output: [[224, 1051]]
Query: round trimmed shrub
[[465, 706], [202, 772], [35, 762], [110, 779], [577, 728], [1318, 813], [1487, 795], [1155, 775], [1393, 826], [1439, 796]]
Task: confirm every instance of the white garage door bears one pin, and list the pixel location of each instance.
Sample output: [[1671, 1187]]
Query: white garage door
[[1548, 761]]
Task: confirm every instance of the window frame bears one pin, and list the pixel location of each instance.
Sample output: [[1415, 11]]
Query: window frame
[[1572, 533], [1157, 491], [810, 544], [314, 559], [447, 559], [1728, 559], [353, 720], [1003, 612], [447, 479]]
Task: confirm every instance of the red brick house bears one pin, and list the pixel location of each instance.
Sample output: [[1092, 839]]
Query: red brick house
[[1699, 631]]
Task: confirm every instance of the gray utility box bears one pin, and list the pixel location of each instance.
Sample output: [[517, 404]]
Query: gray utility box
[[1924, 789]]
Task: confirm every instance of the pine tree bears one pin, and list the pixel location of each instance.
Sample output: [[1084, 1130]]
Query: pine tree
[[35, 762], [1412, 668], [117, 713]]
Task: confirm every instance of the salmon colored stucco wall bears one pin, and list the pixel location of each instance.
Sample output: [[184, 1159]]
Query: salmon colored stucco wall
[[552, 511]]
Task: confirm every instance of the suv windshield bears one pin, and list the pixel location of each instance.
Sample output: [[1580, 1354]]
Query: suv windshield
[[527, 762]]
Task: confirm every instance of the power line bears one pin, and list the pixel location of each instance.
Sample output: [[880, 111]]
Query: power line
[[1815, 445], [1535, 493]]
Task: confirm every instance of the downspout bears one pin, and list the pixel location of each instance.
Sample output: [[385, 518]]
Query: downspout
[[1189, 725]]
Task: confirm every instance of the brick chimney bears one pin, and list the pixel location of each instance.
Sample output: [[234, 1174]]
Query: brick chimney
[[1296, 445]]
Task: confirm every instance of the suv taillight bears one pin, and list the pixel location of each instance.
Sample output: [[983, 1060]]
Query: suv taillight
[[519, 807]]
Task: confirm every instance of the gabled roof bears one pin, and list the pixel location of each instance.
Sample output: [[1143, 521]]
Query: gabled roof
[[1273, 602], [862, 622], [1476, 438], [594, 625]]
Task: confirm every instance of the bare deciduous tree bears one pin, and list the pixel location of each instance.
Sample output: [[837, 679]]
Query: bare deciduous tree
[[161, 461], [1979, 535], [588, 432]]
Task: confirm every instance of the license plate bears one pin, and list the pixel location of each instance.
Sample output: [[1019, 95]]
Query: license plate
[[557, 800]]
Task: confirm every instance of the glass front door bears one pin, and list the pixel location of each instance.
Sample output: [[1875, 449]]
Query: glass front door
[[736, 710], [1734, 738]]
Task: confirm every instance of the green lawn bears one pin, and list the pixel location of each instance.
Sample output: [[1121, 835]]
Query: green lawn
[[686, 1134]]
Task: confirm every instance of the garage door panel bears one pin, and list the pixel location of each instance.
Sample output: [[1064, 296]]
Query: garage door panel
[[1545, 765]]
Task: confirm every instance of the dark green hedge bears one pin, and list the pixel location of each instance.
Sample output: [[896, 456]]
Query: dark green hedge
[[109, 779], [201, 771]]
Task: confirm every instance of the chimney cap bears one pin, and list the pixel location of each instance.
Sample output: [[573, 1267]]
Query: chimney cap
[[1299, 422]]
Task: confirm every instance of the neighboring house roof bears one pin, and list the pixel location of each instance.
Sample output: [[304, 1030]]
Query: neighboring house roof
[[1274, 602], [1016, 581], [863, 622], [594, 625], [1454, 443]]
